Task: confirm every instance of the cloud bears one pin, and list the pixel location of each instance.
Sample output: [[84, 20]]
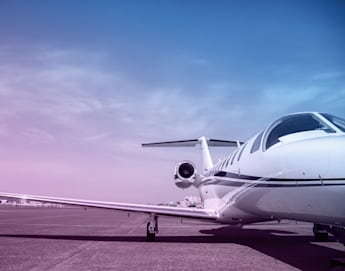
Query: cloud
[[329, 75], [65, 93], [58, 93], [288, 97], [86, 96], [66, 105], [3, 130], [78, 114], [37, 134]]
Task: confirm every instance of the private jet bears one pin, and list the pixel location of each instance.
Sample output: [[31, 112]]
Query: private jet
[[293, 169]]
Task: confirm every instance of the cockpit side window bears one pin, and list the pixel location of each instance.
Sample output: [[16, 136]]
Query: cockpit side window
[[339, 122], [294, 124]]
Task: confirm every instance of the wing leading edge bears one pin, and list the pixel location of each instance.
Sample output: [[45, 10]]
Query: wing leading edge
[[195, 213]]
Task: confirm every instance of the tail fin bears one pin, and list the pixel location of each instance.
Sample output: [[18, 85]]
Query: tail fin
[[205, 143]]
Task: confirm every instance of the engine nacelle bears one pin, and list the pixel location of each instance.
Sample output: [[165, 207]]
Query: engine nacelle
[[185, 174]]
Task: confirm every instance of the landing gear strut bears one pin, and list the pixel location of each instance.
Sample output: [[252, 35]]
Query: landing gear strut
[[152, 228], [320, 232]]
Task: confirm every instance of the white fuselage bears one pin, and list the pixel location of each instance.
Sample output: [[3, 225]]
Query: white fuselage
[[299, 177]]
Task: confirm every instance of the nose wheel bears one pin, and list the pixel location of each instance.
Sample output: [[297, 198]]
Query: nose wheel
[[152, 228]]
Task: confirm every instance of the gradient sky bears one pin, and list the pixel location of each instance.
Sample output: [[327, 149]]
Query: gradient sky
[[84, 83]]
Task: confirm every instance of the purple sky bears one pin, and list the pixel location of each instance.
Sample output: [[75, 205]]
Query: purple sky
[[84, 83]]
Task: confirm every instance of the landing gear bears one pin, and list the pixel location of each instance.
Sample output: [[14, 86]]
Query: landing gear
[[320, 232], [152, 228]]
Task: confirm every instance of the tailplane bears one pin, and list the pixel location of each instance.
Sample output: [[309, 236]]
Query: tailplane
[[205, 144]]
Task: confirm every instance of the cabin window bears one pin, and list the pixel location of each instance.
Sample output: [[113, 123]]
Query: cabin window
[[241, 151], [256, 144], [233, 156], [227, 162]]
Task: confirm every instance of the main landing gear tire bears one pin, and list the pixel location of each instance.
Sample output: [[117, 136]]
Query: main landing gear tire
[[150, 237], [320, 233], [152, 228]]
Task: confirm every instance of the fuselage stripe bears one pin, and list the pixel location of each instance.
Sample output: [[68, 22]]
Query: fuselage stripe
[[237, 180], [269, 179]]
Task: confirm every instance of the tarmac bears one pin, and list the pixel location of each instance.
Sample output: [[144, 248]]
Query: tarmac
[[91, 239]]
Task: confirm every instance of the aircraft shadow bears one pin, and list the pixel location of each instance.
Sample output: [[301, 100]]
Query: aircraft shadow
[[296, 250], [300, 251]]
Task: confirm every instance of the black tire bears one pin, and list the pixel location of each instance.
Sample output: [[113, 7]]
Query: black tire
[[150, 237]]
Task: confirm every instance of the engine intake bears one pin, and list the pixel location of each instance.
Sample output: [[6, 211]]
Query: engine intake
[[185, 174]]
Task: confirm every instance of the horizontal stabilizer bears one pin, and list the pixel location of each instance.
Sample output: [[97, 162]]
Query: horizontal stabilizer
[[223, 143], [193, 142]]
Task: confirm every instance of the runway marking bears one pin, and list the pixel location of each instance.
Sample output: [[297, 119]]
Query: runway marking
[[80, 250], [139, 225], [332, 245], [42, 216]]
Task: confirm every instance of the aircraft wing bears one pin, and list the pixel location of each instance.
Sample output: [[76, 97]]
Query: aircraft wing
[[196, 213]]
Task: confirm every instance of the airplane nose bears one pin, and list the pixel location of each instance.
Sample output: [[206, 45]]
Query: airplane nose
[[315, 158]]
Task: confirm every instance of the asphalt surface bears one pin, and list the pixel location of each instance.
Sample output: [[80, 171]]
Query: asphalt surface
[[78, 239]]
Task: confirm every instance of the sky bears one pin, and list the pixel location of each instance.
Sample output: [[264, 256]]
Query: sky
[[84, 83]]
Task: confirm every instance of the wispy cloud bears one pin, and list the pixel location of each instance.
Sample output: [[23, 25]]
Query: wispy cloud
[[288, 97], [67, 100], [38, 134], [76, 102], [56, 104], [329, 75], [60, 93]]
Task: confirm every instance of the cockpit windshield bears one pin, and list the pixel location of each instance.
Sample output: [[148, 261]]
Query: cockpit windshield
[[339, 122], [295, 124]]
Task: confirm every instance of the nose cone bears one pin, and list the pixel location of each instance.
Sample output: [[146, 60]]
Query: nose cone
[[314, 158]]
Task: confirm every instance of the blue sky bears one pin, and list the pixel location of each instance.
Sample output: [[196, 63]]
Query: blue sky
[[83, 83]]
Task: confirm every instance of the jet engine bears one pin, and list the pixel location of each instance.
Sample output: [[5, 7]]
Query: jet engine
[[185, 174]]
